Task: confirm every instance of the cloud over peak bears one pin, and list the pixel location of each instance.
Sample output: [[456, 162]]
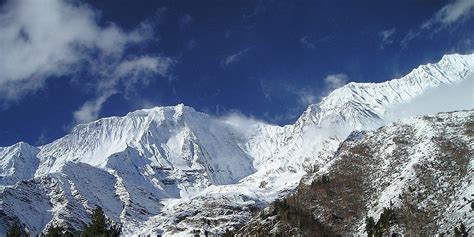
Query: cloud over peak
[[334, 81], [127, 73]]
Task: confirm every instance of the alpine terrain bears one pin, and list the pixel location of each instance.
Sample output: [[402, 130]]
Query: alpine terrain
[[367, 153]]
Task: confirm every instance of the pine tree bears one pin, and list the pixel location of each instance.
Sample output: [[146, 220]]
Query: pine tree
[[369, 226], [457, 233], [55, 231], [14, 230], [100, 226], [114, 230], [463, 231], [228, 233]]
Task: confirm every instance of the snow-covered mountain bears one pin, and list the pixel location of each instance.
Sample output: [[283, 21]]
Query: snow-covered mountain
[[361, 105], [17, 162], [420, 168], [175, 137], [172, 169]]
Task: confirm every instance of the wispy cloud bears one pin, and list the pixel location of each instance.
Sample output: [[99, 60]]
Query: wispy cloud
[[266, 89], [312, 44], [33, 51], [260, 7], [241, 122], [184, 21], [278, 88], [89, 111], [334, 81], [304, 40], [451, 13], [30, 27], [308, 95], [412, 34], [145, 64], [127, 73], [386, 37], [233, 58], [42, 139]]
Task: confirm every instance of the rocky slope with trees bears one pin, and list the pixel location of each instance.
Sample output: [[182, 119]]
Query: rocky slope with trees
[[414, 176]]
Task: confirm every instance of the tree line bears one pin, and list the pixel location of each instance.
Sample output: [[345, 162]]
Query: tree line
[[100, 226]]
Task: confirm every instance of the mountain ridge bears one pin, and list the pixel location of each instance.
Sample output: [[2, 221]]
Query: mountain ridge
[[168, 162], [418, 170]]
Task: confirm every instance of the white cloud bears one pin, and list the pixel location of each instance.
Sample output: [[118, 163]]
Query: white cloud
[[127, 73], [145, 64], [308, 98], [386, 37], [234, 57], [90, 110], [306, 43], [240, 122], [309, 95], [444, 98], [334, 81], [409, 36], [453, 12], [41, 39], [42, 139], [275, 89]]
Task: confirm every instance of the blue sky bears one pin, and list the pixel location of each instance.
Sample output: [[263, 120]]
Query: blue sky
[[65, 62]]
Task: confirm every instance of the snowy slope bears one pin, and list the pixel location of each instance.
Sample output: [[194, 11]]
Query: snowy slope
[[363, 105], [420, 167], [172, 169], [17, 162], [167, 137], [310, 142]]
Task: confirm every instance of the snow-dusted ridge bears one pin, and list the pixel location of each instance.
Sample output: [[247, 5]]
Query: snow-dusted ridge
[[419, 167], [169, 169], [359, 105], [166, 136], [17, 162]]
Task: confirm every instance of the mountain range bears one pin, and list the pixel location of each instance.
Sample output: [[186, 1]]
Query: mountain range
[[173, 170]]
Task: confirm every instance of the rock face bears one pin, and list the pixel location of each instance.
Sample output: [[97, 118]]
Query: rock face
[[418, 170], [173, 170]]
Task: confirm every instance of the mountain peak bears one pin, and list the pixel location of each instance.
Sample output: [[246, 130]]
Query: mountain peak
[[175, 112], [457, 58], [364, 104], [178, 107], [17, 162]]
